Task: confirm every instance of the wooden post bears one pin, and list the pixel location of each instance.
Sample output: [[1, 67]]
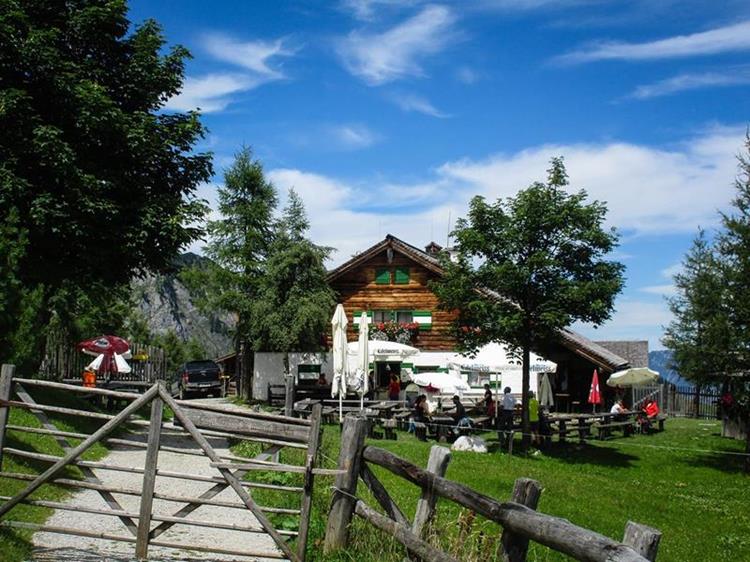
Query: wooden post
[[289, 394], [644, 540], [149, 478], [312, 453], [437, 464], [6, 383], [514, 546], [344, 494]]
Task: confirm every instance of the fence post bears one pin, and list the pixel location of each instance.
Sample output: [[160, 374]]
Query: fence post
[[345, 488], [438, 465], [289, 394], [513, 547], [6, 383], [644, 540], [149, 477]]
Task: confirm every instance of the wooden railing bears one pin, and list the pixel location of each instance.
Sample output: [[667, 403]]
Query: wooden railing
[[518, 518], [198, 422]]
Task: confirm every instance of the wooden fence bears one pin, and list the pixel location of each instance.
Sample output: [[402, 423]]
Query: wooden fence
[[199, 422], [518, 518], [63, 362]]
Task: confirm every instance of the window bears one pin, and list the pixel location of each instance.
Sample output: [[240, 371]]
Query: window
[[382, 316], [383, 276], [404, 316], [401, 276]]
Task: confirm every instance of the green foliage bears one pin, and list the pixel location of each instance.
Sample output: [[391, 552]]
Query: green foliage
[[529, 266], [96, 184], [699, 334], [239, 243], [294, 302]]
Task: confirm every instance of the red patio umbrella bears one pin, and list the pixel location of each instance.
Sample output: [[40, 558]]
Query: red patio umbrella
[[106, 346], [595, 396]]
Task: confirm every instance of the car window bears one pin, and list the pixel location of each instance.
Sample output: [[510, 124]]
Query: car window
[[201, 365]]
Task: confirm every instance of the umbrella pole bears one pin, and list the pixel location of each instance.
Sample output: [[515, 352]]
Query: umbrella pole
[[341, 407]]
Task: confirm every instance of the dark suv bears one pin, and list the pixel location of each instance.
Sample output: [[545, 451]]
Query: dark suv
[[199, 378]]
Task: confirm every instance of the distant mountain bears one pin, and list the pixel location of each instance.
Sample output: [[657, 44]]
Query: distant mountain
[[661, 361], [167, 304]]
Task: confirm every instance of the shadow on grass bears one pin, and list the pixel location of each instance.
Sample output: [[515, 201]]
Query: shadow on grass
[[718, 460], [573, 453]]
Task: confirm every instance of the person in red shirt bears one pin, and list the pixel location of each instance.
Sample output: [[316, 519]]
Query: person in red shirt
[[394, 388], [651, 408]]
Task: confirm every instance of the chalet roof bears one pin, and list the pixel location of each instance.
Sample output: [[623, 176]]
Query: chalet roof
[[635, 351], [575, 342], [390, 241]]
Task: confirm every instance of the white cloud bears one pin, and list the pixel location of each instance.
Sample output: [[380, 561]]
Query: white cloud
[[632, 320], [368, 10], [378, 58], [466, 75], [647, 190], [210, 93], [353, 136], [667, 290], [254, 56], [672, 270], [413, 102], [685, 82], [731, 38]]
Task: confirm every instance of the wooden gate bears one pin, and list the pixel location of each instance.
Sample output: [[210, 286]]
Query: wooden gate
[[200, 422]]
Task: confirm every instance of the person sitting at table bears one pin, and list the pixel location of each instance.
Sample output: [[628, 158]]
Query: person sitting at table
[[394, 387], [489, 403], [459, 413], [419, 414], [618, 408], [650, 412]]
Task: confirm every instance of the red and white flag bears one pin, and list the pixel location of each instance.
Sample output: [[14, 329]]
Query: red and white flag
[[595, 397]]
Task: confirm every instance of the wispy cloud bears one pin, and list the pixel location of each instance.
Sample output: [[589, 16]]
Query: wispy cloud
[[731, 38], [212, 92], [209, 93], [378, 58], [667, 289], [353, 136], [698, 81], [413, 102], [260, 57], [466, 75], [367, 10]]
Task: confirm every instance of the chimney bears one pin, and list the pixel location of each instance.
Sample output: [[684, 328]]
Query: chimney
[[433, 249]]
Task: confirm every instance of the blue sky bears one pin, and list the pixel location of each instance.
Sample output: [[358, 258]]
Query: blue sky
[[387, 116]]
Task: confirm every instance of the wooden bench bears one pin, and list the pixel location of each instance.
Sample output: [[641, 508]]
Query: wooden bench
[[605, 429], [402, 420], [276, 394]]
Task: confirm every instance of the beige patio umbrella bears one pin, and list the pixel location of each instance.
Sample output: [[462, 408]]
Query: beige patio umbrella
[[363, 358], [338, 385], [637, 376]]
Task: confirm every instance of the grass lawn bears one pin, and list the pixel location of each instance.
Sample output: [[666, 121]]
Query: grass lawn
[[679, 481], [15, 544]]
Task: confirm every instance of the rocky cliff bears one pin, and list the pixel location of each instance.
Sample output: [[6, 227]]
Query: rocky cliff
[[167, 304]]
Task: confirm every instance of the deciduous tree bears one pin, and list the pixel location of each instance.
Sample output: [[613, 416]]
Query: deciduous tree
[[528, 266]]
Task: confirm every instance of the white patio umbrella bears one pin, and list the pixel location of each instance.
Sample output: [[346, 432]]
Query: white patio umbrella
[[121, 365], [338, 385], [637, 376], [363, 358], [445, 383], [546, 397]]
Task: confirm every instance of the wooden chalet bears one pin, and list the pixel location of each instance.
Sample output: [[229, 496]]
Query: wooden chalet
[[390, 282]]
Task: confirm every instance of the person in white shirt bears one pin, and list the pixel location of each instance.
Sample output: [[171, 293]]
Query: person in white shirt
[[618, 408]]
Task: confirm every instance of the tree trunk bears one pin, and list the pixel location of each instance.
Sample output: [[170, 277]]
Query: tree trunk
[[747, 443], [525, 425]]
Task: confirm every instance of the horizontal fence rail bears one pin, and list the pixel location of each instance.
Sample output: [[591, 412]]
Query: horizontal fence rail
[[520, 521], [198, 422]]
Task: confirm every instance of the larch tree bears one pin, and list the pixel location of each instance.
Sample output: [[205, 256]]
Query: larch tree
[[97, 182], [295, 303], [239, 245], [528, 266]]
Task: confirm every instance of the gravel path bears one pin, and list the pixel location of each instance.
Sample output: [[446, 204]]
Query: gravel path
[[50, 547]]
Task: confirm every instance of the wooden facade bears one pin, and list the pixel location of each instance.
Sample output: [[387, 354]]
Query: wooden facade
[[385, 279]]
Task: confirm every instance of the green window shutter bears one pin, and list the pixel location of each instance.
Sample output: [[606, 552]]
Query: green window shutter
[[423, 318], [401, 276], [383, 276]]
